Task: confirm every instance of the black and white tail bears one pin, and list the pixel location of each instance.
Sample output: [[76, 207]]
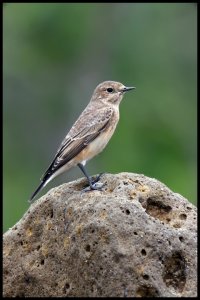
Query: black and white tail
[[44, 182]]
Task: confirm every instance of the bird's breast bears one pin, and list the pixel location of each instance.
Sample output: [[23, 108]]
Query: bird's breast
[[98, 144]]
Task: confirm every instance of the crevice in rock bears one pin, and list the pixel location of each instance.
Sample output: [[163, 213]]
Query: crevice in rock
[[174, 274]]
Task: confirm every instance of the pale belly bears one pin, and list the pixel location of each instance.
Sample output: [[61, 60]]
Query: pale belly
[[96, 146]]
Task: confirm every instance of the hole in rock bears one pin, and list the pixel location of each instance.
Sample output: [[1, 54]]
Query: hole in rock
[[143, 252], [67, 286], [189, 208], [174, 273], [147, 291], [183, 216], [87, 248], [181, 238], [156, 208], [51, 213]]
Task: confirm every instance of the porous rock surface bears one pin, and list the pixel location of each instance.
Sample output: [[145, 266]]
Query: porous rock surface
[[135, 238]]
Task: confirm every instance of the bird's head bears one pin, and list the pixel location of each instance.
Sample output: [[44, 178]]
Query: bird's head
[[110, 92]]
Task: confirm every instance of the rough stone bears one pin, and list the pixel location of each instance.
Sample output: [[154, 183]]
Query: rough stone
[[135, 238]]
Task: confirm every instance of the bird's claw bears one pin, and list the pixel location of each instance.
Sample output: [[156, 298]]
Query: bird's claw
[[94, 187]]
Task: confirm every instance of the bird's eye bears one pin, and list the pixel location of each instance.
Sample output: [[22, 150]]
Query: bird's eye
[[109, 90]]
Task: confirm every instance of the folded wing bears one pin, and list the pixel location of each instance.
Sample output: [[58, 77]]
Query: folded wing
[[78, 139]]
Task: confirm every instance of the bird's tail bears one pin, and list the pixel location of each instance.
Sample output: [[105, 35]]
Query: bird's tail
[[41, 186], [48, 176], [43, 183]]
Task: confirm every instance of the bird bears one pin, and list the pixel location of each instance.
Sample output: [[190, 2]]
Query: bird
[[89, 135]]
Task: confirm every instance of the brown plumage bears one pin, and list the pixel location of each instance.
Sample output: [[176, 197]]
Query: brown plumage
[[90, 133]]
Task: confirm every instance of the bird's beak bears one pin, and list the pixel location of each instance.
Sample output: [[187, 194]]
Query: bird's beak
[[126, 89]]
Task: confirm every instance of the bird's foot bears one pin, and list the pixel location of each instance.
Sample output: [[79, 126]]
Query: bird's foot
[[94, 184]]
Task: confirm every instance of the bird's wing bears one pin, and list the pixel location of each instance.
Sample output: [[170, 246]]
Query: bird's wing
[[77, 140]]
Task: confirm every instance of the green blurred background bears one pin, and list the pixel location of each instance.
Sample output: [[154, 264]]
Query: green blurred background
[[54, 55]]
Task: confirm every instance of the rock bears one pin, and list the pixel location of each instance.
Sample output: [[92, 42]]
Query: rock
[[135, 238]]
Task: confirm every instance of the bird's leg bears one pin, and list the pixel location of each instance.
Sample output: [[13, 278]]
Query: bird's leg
[[97, 178], [91, 183]]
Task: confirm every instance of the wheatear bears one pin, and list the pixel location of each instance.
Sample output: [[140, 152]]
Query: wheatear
[[90, 133]]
